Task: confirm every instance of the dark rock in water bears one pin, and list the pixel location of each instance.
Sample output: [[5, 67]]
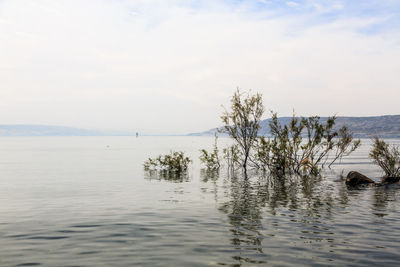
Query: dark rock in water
[[390, 180], [355, 178]]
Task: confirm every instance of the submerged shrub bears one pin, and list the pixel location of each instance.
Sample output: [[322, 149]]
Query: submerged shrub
[[304, 146], [387, 157], [242, 122], [211, 159], [173, 162], [232, 155]]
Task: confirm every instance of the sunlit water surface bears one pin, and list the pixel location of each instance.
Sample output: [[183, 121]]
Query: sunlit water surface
[[86, 201]]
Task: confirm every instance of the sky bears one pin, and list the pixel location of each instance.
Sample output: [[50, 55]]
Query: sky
[[170, 66]]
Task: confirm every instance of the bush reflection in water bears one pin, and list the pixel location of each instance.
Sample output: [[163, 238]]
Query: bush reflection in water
[[299, 219], [80, 202]]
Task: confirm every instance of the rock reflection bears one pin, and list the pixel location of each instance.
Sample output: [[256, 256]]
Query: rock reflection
[[168, 176], [382, 197], [378, 197]]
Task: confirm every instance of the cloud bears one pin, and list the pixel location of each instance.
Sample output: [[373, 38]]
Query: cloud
[[167, 66], [292, 4]]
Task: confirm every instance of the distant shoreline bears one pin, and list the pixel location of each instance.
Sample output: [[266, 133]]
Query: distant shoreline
[[386, 126]]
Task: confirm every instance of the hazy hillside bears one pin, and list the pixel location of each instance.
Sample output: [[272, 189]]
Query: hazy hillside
[[382, 126]]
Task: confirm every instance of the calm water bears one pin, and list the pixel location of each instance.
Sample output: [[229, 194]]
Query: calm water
[[85, 201]]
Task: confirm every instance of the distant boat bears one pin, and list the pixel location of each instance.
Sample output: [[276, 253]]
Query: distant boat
[[137, 134]]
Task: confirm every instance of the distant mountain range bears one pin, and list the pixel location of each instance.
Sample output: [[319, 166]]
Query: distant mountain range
[[45, 130], [387, 126], [362, 127]]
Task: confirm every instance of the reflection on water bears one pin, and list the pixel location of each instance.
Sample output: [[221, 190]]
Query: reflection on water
[[164, 175], [87, 202], [252, 199], [244, 215], [382, 197], [309, 214]]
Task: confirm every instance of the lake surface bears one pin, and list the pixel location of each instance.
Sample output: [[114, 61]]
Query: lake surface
[[86, 201]]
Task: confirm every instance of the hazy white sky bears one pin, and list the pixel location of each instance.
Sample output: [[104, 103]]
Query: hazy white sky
[[168, 66]]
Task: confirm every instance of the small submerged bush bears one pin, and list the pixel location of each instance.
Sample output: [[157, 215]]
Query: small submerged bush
[[232, 155], [386, 156], [174, 162], [211, 159]]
